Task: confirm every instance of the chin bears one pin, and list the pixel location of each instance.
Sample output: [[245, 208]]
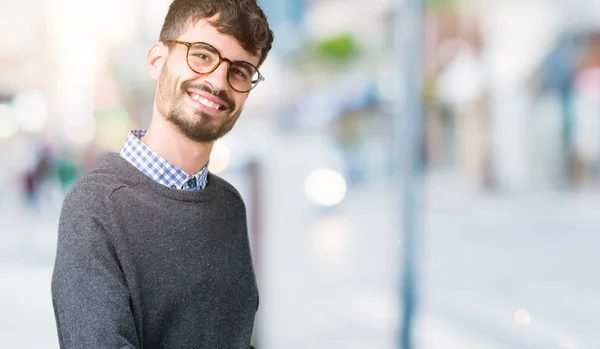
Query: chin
[[202, 134]]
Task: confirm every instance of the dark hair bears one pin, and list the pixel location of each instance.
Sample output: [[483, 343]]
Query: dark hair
[[242, 19]]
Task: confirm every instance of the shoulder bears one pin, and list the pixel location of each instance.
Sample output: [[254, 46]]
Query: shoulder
[[223, 185], [97, 186]]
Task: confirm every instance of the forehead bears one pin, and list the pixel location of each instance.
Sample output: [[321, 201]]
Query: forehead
[[227, 45]]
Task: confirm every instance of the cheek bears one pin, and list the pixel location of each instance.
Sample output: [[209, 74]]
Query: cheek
[[165, 82], [172, 88], [171, 79], [240, 99]]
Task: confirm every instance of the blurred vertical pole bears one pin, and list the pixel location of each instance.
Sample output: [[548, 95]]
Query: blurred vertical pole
[[408, 133], [255, 213], [568, 135], [255, 231]]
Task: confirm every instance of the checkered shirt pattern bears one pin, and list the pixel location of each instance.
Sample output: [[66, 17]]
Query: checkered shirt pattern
[[157, 168]]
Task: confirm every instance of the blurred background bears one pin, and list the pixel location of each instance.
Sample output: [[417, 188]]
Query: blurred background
[[502, 214]]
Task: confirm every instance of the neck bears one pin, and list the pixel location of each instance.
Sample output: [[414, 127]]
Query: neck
[[167, 141]]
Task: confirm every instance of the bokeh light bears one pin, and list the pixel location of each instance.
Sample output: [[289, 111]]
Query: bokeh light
[[522, 317], [219, 158], [8, 124], [332, 240], [325, 187], [80, 134], [31, 111]]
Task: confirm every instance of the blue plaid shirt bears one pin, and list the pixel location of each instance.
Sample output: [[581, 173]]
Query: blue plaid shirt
[[157, 168]]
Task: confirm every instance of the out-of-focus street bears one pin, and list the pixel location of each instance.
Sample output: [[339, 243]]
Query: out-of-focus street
[[27, 249], [494, 105], [498, 271]]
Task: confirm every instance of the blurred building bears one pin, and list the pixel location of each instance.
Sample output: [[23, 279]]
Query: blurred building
[[511, 102]]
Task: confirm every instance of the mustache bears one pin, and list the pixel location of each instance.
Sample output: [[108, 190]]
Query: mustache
[[222, 94]]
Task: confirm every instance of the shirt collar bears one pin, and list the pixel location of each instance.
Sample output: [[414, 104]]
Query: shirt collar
[[157, 168]]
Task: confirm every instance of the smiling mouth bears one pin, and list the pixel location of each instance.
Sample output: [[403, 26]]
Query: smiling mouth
[[205, 102]]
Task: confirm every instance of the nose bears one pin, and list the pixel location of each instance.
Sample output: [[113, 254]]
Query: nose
[[218, 78]]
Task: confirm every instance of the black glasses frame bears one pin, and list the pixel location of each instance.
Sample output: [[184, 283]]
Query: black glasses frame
[[189, 45]]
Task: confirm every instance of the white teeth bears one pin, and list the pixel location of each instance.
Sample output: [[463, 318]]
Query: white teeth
[[205, 102]]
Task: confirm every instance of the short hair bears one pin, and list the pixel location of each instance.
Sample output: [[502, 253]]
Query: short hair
[[242, 19]]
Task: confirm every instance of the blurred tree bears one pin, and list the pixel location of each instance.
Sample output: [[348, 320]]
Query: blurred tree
[[338, 48], [328, 56]]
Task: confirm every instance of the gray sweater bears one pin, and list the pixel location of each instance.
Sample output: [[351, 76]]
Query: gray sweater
[[141, 265]]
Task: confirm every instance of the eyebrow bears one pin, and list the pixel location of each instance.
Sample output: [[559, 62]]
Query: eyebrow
[[208, 47], [245, 66]]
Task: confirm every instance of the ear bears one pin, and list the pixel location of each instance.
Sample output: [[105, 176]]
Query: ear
[[157, 57]]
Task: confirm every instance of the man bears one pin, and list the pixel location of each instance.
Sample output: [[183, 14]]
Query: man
[[153, 249]]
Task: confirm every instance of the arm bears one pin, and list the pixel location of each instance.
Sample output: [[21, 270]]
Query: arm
[[89, 293]]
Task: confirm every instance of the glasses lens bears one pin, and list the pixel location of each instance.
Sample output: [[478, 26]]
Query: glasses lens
[[203, 58], [243, 76]]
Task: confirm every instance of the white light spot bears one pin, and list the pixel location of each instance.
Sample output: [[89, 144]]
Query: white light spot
[[31, 111], [522, 317], [332, 240], [8, 125], [81, 134], [325, 187], [219, 157]]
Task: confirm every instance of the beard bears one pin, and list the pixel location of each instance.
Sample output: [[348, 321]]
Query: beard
[[196, 125]]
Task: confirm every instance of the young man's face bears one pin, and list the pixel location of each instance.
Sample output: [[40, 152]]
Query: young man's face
[[203, 107]]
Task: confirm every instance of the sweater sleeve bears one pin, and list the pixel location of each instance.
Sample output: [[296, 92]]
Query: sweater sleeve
[[89, 294]]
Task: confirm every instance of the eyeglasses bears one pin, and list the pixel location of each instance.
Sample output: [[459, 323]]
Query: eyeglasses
[[204, 59]]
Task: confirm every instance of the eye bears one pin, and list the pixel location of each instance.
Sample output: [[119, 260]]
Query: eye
[[239, 73], [202, 56]]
